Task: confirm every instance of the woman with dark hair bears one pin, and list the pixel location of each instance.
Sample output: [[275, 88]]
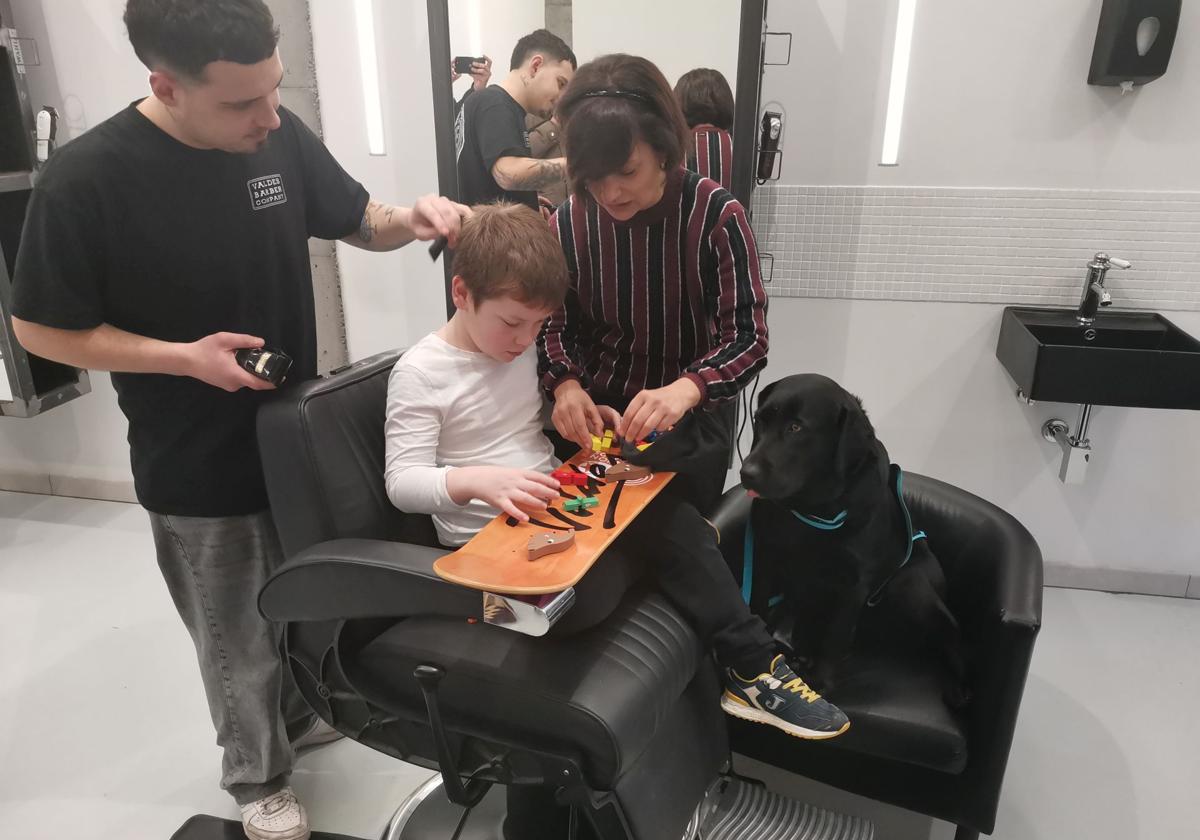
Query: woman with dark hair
[[707, 104], [665, 321]]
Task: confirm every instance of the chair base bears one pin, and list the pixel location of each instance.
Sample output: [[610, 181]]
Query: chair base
[[733, 809], [428, 815]]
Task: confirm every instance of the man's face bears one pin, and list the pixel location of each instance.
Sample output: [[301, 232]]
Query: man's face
[[233, 107], [547, 78]]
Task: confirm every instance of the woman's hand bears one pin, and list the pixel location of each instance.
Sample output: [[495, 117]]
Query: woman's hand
[[575, 416], [658, 409]]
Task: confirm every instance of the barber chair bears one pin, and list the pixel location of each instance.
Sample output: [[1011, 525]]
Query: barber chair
[[620, 722], [904, 746]]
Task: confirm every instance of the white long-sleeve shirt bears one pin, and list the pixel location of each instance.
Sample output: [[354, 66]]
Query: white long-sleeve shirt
[[450, 408]]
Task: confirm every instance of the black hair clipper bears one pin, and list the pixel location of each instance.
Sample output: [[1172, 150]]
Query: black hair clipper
[[768, 144], [271, 365]]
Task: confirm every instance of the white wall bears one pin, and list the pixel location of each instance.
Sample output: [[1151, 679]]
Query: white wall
[[389, 299], [677, 35], [997, 97], [944, 406]]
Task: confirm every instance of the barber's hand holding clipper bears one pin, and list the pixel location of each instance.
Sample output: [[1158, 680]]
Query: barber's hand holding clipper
[[213, 359]]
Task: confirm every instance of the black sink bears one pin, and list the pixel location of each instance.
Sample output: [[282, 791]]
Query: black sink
[[1136, 359]]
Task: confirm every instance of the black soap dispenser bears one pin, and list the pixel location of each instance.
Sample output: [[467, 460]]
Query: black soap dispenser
[[1133, 41]]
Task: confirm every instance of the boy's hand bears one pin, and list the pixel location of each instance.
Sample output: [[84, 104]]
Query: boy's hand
[[507, 488], [575, 416], [659, 408]]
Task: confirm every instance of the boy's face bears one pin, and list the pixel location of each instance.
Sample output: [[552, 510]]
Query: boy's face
[[502, 328]]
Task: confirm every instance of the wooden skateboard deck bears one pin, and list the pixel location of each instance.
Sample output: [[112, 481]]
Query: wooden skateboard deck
[[497, 559]]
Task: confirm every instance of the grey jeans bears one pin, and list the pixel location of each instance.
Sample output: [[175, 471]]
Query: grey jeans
[[214, 568]]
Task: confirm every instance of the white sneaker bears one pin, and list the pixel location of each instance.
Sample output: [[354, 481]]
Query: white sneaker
[[319, 733], [279, 816]]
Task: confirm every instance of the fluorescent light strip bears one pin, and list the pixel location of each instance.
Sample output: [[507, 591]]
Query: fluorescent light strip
[[365, 15], [906, 13]]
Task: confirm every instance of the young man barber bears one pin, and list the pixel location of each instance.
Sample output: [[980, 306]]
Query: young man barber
[[495, 161], [155, 246]]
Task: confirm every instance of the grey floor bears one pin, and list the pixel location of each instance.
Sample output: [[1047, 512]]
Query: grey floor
[[104, 733]]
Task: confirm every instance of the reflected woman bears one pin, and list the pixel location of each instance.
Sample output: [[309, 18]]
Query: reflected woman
[[707, 104]]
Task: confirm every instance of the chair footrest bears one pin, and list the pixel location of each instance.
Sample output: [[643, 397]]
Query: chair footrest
[[738, 810]]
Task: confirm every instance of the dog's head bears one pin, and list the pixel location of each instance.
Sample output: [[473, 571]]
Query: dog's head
[[811, 437]]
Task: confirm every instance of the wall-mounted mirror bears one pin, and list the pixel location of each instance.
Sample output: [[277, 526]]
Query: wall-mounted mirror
[[678, 36]]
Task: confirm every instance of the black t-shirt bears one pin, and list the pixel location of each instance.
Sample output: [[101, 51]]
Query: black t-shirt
[[490, 125], [129, 227]]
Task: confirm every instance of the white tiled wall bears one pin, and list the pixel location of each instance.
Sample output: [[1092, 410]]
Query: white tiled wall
[[978, 245]]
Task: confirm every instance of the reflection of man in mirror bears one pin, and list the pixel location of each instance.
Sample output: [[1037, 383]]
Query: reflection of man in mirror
[[495, 160], [707, 104]]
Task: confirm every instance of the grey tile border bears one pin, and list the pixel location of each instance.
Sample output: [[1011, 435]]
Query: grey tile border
[[1171, 584], [977, 245], [92, 488], [42, 484], [23, 482]]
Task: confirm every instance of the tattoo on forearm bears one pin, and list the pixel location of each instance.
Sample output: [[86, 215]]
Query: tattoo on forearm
[[376, 217], [541, 173], [367, 228]]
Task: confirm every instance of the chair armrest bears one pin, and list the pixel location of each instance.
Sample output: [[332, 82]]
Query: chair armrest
[[359, 578], [729, 518]]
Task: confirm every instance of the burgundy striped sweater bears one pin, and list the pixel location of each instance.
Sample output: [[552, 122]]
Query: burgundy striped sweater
[[712, 154], [675, 291]]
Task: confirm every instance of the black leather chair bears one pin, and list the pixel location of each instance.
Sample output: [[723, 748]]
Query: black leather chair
[[904, 746], [621, 721]]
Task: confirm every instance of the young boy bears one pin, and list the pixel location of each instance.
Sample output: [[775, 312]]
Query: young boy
[[464, 442]]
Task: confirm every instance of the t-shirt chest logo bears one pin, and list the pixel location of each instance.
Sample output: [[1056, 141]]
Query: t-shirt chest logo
[[266, 191]]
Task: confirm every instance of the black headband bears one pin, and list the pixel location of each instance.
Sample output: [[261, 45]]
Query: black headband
[[617, 93]]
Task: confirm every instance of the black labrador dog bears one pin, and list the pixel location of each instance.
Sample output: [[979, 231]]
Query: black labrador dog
[[834, 537]]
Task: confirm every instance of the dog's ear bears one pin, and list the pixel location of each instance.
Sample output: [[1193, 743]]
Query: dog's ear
[[856, 439], [763, 394]]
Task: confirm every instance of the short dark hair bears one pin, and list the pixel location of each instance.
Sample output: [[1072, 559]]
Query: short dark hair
[[705, 97], [185, 35], [613, 102], [543, 42], [508, 250]]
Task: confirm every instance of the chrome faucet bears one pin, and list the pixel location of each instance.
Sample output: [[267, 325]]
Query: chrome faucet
[[1094, 294]]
